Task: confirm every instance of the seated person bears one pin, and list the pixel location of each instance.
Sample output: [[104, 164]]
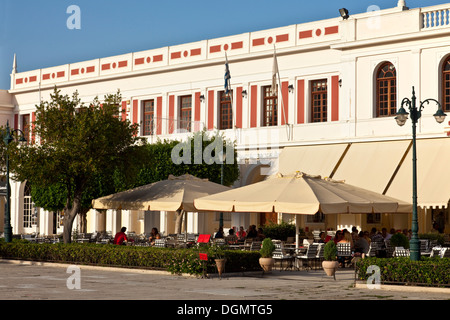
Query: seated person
[[121, 237], [153, 236]]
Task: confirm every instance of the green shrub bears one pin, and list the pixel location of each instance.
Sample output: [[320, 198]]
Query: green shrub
[[399, 240], [330, 251], [267, 248], [175, 261], [279, 231], [433, 236], [402, 270]]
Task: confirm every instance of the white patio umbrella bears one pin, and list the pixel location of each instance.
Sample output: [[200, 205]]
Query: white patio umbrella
[[173, 194], [301, 193]]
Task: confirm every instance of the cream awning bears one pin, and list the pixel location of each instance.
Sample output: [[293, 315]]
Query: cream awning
[[433, 174], [316, 160], [371, 165]]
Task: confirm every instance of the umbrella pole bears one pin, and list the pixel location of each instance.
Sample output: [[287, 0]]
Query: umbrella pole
[[185, 225], [296, 233]]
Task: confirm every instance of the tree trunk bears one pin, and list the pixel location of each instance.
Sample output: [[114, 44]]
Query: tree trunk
[[69, 217], [82, 221]]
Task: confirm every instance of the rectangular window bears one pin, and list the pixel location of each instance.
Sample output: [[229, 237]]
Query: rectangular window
[[226, 111], [29, 215], [270, 107], [319, 100], [373, 218], [149, 114], [317, 218], [185, 113]]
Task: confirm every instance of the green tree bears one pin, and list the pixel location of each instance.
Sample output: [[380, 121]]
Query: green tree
[[198, 156], [74, 149]]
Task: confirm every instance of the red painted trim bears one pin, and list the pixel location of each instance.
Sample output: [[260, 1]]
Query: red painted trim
[[285, 107], [124, 110], [19, 81], [139, 61], [301, 101], [158, 58], [305, 34], [171, 113], [253, 106], [33, 78], [75, 72], [61, 74], [175, 55], [106, 66], [331, 30], [239, 107], [214, 49], [159, 115], [237, 45], [335, 98], [46, 76], [196, 52], [197, 108], [135, 111], [259, 42], [123, 64], [90, 69], [211, 110], [283, 37]]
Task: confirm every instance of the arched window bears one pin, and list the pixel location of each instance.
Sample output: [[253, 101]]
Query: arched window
[[446, 85], [386, 93]]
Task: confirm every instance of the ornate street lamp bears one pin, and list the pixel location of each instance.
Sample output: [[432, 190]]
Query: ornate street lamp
[[401, 117], [8, 137]]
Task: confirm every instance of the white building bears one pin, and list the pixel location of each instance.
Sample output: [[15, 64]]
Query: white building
[[341, 82]]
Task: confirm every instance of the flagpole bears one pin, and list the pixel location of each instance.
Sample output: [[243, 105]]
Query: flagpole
[[282, 100], [230, 94]]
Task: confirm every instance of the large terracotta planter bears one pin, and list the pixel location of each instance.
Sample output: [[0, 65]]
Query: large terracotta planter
[[330, 268], [267, 264], [220, 264]]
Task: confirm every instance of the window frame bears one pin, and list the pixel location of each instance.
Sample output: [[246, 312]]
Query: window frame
[[324, 101], [392, 90], [269, 117], [225, 101], [445, 102], [182, 112], [29, 217], [148, 130]]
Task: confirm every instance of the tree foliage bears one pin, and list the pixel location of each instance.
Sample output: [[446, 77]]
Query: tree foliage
[[74, 148]]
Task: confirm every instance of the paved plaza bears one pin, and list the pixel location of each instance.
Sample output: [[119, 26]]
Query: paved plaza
[[45, 281]]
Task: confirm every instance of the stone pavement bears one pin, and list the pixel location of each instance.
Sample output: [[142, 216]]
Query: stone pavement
[[44, 281]]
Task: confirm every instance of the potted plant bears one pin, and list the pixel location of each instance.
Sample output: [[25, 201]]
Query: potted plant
[[218, 254], [267, 261], [330, 263]]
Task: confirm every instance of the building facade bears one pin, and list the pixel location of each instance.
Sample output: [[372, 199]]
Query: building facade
[[339, 84]]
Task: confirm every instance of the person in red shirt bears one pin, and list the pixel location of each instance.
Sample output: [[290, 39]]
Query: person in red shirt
[[241, 234], [121, 237]]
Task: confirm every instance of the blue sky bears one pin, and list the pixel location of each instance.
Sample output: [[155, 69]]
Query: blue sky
[[37, 30]]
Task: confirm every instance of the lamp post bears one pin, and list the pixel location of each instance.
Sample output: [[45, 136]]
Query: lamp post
[[223, 157], [401, 117], [8, 137]]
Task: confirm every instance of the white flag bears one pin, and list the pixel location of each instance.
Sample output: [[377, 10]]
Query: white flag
[[227, 76]]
